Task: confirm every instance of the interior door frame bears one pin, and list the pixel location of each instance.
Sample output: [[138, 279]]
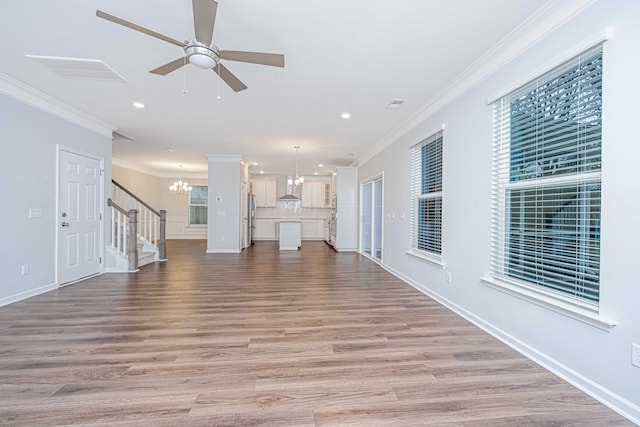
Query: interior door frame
[[58, 256], [371, 180]]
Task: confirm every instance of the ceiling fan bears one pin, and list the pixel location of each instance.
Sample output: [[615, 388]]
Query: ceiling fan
[[200, 51]]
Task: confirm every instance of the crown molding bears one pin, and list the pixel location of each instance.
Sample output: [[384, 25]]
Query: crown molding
[[33, 97], [224, 158], [548, 18], [157, 174], [134, 167]]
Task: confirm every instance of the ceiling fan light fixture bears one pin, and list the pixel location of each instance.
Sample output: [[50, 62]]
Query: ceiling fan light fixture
[[200, 55], [202, 61]]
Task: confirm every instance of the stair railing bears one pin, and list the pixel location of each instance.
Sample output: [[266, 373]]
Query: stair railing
[[124, 231], [151, 223]]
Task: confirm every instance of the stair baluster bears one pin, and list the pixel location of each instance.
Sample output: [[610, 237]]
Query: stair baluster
[[138, 232]]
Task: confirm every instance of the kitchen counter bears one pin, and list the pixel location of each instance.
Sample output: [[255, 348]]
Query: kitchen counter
[[294, 218], [267, 228]]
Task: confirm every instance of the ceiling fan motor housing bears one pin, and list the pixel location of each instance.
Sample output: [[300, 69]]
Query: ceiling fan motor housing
[[201, 55]]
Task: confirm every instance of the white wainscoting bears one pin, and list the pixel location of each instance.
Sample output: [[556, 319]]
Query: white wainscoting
[[178, 228]]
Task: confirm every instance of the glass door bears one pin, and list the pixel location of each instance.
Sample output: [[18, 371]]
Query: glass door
[[367, 217], [371, 219], [377, 219]]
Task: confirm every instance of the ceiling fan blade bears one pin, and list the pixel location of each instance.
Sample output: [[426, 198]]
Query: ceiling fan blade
[[204, 17], [104, 15], [228, 77], [165, 69], [273, 59]]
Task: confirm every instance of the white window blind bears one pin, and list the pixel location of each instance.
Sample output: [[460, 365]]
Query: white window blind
[[546, 181], [198, 204], [426, 195]]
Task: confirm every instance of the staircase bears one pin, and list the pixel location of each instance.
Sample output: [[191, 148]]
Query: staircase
[[137, 232]]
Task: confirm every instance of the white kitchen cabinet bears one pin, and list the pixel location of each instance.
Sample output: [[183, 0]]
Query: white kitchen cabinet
[[265, 192], [312, 229], [265, 229], [327, 230], [316, 195]]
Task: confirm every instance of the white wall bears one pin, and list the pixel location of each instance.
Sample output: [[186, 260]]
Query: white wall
[[142, 185], [595, 360], [28, 179], [225, 192], [177, 207]]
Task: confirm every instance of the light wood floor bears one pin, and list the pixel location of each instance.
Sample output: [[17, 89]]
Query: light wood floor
[[264, 338]]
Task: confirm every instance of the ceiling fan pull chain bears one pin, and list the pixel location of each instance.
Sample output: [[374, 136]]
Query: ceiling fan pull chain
[[219, 97], [184, 80]]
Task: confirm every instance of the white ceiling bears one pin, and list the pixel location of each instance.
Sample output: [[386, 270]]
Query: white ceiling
[[340, 55]]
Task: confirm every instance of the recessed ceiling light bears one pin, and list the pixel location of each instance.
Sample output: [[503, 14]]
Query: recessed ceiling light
[[137, 104], [320, 165], [261, 171], [315, 173], [345, 115], [255, 163]]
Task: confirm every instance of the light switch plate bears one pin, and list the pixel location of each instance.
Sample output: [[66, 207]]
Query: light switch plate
[[635, 355], [35, 213]]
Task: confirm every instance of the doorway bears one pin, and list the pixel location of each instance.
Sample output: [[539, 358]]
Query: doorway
[[79, 219], [371, 218]]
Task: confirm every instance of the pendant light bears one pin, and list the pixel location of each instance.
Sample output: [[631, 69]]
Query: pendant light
[[298, 180]]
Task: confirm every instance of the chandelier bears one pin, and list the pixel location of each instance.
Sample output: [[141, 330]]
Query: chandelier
[[180, 187], [298, 179]]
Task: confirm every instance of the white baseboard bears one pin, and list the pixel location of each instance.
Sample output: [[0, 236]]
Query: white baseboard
[[223, 251], [607, 397], [186, 237], [27, 294]]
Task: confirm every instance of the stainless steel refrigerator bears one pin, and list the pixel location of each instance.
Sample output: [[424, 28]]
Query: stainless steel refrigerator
[[251, 216]]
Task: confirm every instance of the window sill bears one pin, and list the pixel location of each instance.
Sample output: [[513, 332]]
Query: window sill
[[196, 226], [573, 310], [431, 259]]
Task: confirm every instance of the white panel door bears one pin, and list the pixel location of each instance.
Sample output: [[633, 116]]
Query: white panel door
[[79, 221]]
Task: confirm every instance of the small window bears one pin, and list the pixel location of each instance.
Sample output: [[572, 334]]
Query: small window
[[426, 196], [198, 204], [546, 182]]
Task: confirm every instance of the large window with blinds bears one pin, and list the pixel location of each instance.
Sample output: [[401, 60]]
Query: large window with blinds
[[198, 205], [426, 196], [546, 182]]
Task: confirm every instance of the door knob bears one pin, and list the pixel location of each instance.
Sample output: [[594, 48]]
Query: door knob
[[65, 224]]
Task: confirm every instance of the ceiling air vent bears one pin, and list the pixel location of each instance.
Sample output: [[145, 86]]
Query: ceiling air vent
[[395, 104], [119, 137], [78, 68]]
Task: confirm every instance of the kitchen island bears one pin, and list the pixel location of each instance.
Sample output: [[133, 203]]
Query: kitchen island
[[290, 233]]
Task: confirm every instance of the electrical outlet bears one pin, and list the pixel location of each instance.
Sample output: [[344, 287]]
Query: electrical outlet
[[25, 269], [448, 277], [635, 355]]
